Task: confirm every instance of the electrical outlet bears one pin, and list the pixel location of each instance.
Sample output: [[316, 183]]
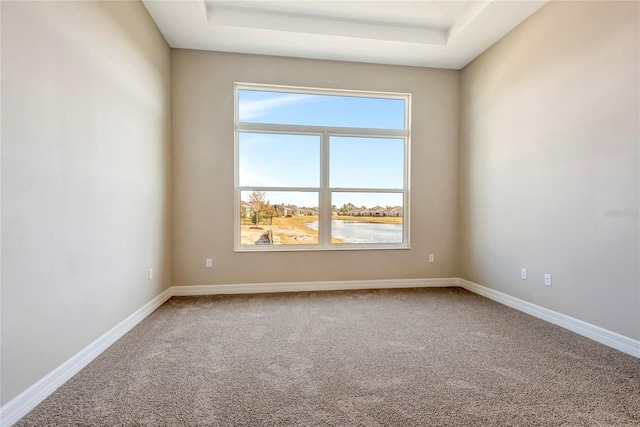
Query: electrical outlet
[[151, 274], [209, 263], [547, 279], [523, 274], [431, 258]]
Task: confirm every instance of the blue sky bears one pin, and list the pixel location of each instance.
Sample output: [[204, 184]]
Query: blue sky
[[320, 110], [294, 160]]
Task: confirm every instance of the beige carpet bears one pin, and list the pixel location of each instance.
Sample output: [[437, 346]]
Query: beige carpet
[[427, 357]]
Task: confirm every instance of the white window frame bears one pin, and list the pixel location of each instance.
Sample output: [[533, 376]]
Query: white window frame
[[324, 191]]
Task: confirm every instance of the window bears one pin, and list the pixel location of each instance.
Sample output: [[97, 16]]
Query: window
[[320, 169]]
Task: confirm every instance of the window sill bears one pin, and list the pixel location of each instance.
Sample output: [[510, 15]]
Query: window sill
[[316, 248]]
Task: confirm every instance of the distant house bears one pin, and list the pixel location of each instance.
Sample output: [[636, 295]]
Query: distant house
[[246, 210], [292, 210], [280, 209], [307, 212], [287, 210], [377, 211], [395, 211]]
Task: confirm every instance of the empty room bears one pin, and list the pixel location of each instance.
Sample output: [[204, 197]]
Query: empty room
[[320, 213]]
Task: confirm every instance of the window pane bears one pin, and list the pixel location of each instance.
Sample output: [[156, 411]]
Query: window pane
[[366, 162], [320, 110], [278, 160], [367, 218], [278, 218]]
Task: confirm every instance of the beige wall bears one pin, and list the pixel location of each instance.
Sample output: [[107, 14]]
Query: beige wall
[[85, 177], [202, 84], [549, 143]]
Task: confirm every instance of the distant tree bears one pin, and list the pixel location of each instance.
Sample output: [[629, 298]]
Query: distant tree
[[347, 207], [269, 212], [258, 202]]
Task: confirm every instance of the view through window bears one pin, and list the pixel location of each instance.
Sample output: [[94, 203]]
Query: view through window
[[321, 169]]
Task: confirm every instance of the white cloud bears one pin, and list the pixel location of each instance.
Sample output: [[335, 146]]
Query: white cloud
[[253, 109]]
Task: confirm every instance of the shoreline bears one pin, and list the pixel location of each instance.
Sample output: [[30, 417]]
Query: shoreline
[[295, 231]]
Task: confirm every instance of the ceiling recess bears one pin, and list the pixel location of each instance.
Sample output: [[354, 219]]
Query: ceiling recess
[[443, 34]]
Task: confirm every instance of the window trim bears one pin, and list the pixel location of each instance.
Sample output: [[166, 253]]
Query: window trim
[[324, 191]]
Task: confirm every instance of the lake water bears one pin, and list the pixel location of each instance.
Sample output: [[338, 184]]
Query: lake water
[[363, 232]]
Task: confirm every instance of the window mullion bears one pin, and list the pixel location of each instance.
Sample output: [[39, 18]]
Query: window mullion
[[324, 229]]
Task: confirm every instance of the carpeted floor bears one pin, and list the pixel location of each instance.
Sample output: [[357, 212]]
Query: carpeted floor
[[411, 357]]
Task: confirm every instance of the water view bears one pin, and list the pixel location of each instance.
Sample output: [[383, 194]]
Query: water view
[[363, 232]]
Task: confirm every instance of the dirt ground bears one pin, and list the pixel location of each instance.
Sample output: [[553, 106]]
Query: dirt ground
[[282, 234]]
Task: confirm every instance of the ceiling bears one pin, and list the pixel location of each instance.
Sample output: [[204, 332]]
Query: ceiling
[[423, 33]]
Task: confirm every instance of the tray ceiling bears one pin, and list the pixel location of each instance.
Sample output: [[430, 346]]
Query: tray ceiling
[[443, 34]]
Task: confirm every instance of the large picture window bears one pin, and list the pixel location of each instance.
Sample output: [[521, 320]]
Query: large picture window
[[319, 169]]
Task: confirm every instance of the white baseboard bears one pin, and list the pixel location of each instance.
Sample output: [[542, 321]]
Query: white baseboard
[[18, 407], [256, 288], [30, 398], [596, 333]]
